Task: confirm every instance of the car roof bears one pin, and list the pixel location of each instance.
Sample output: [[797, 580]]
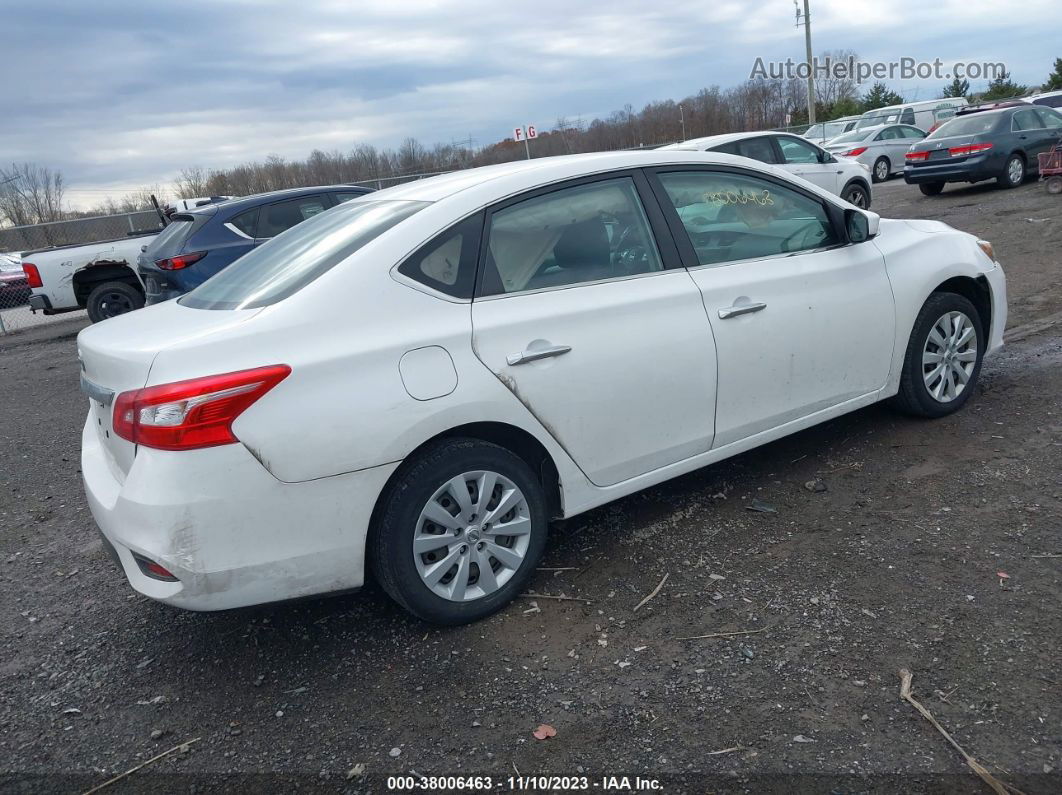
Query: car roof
[[503, 179], [255, 200], [701, 144]]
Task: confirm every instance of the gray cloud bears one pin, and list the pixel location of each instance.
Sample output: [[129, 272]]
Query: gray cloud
[[119, 93]]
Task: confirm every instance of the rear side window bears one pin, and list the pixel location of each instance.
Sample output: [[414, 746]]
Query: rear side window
[[1052, 120], [246, 222], [280, 268], [757, 149], [280, 217], [1026, 120], [1050, 102], [448, 263]]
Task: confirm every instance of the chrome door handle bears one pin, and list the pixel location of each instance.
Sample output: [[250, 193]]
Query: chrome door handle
[[539, 353], [740, 309]]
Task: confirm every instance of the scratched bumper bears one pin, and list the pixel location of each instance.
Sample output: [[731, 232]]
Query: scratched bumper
[[231, 533]]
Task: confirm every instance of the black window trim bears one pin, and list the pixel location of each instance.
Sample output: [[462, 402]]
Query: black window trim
[[670, 258], [441, 292], [834, 213]]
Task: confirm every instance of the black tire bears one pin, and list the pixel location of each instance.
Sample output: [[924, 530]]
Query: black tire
[[111, 299], [1005, 180], [390, 550], [931, 188], [882, 163], [856, 194], [914, 396]]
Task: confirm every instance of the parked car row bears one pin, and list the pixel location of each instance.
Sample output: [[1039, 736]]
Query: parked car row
[[14, 287], [417, 381]]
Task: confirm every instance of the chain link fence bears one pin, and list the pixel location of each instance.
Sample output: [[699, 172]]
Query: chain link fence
[[16, 239]]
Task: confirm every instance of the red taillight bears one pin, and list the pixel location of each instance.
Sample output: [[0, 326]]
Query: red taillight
[[856, 152], [180, 261], [190, 414], [33, 276], [914, 156], [970, 149]]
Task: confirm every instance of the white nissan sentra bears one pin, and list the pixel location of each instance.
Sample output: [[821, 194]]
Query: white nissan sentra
[[414, 383]]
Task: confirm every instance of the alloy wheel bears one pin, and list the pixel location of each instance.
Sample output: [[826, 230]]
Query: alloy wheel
[[856, 197], [472, 536], [1015, 171], [881, 171], [949, 356]]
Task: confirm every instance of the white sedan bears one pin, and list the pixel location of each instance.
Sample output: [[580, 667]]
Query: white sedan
[[415, 383], [841, 176]]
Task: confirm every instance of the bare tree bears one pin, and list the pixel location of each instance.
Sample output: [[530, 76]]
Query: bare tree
[[190, 183], [31, 194]]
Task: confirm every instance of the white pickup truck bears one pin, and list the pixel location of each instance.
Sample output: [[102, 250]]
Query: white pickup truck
[[99, 277]]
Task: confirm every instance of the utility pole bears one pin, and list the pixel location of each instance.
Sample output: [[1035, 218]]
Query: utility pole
[[807, 42], [682, 118]]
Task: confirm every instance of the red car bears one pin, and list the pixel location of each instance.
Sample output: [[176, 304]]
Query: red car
[[14, 288]]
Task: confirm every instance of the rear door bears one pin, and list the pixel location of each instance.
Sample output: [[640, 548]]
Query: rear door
[[802, 322], [584, 313]]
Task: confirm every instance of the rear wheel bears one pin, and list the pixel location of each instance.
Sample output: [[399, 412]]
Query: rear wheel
[[459, 532], [882, 167], [1054, 185], [1013, 172], [943, 359], [931, 188], [111, 299], [858, 195]]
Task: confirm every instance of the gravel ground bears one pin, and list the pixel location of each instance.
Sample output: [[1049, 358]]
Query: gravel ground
[[891, 560]]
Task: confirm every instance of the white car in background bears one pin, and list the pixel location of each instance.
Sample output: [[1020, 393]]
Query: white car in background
[[881, 149], [825, 130], [416, 382], [846, 178], [926, 115]]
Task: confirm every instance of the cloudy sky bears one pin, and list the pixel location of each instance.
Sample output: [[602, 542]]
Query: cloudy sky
[[123, 93]]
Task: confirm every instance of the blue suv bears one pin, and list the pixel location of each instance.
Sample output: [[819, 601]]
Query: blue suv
[[196, 245]]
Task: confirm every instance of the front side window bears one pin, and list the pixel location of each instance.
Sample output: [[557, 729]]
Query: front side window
[[796, 151], [574, 235], [1051, 119], [732, 217], [280, 217], [281, 267]]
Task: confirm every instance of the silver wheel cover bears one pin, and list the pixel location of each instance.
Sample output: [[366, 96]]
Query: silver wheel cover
[[949, 356]]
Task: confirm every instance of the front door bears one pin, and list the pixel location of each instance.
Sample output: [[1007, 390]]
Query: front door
[[801, 322], [585, 315], [805, 160]]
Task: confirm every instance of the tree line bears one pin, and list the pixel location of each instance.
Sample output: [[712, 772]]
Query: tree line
[[34, 194]]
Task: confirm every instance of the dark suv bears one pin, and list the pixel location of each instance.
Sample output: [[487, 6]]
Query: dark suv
[[196, 245]]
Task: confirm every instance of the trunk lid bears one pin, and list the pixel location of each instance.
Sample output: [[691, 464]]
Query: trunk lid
[[116, 356]]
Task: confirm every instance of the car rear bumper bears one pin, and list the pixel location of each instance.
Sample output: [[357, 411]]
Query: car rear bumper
[[231, 533], [973, 169]]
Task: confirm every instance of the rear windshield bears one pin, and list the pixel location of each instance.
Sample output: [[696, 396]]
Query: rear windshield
[[849, 138], [170, 239], [284, 265], [974, 124]]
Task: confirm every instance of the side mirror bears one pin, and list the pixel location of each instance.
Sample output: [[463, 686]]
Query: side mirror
[[826, 157], [860, 226]]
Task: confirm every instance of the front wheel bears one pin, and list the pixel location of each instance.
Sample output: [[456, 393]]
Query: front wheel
[[459, 532], [943, 359], [857, 195], [111, 299]]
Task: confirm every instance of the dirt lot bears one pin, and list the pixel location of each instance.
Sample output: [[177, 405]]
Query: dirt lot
[[895, 565]]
